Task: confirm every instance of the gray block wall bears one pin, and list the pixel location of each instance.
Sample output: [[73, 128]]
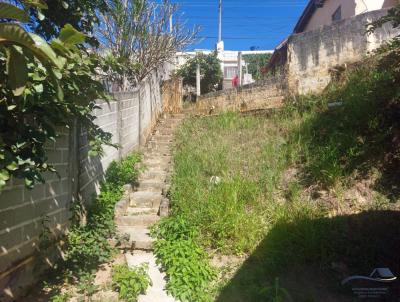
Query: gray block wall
[[129, 117]]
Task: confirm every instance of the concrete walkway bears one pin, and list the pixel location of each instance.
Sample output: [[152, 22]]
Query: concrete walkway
[[148, 203]]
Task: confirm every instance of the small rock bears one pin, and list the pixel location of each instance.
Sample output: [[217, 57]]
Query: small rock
[[215, 180]]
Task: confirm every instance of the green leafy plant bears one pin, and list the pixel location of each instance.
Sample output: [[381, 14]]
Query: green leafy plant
[[87, 245], [130, 282], [44, 88], [123, 172], [16, 44], [275, 293], [64, 297], [184, 261]]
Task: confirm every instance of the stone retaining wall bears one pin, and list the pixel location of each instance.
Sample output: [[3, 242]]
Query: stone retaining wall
[[265, 94]]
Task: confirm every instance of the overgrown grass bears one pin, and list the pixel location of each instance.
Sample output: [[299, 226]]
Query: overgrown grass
[[238, 151], [283, 181]]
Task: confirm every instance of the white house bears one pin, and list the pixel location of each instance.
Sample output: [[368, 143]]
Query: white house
[[325, 12]]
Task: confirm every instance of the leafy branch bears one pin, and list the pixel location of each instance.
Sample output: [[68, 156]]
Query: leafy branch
[[44, 86]]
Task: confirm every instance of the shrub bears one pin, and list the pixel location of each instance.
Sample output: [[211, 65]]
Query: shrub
[[130, 282], [123, 172], [87, 244]]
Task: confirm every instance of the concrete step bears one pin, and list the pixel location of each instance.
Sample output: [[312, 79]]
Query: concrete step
[[151, 185], [131, 211], [170, 121], [144, 220], [158, 167], [169, 127], [160, 146], [158, 152], [162, 138], [157, 158], [155, 174], [160, 143], [157, 164], [165, 131], [139, 237], [145, 199], [179, 116]]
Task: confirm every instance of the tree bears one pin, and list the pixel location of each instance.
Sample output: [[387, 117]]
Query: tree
[[256, 62], [210, 68], [137, 34], [83, 15], [43, 86]]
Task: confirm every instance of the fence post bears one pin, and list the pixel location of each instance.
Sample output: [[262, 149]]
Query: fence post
[[119, 125], [140, 113], [74, 161]]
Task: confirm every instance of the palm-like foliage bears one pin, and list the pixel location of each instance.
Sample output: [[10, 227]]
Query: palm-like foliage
[[18, 44]]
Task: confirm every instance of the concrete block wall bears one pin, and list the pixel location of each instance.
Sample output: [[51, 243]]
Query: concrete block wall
[[312, 54], [129, 117], [23, 213]]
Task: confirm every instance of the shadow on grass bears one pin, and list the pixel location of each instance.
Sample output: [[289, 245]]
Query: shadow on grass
[[311, 256]]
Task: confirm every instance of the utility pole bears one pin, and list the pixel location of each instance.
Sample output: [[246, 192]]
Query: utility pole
[[170, 24], [220, 22], [240, 70]]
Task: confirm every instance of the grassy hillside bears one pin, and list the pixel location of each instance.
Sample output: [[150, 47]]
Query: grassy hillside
[[307, 195]]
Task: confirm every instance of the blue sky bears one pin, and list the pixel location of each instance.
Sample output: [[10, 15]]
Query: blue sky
[[246, 23]]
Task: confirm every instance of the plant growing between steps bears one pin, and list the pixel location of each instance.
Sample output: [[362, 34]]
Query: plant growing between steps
[[130, 282], [184, 261], [276, 293]]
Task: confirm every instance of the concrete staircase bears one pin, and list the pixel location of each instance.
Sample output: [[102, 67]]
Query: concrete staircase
[[145, 204]]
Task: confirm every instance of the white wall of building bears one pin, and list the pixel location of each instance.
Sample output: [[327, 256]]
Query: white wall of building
[[349, 8], [363, 6]]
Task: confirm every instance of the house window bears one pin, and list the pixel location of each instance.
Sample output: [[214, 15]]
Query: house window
[[230, 72], [337, 15]]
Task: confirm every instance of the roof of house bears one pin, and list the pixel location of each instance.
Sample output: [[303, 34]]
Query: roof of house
[[308, 12]]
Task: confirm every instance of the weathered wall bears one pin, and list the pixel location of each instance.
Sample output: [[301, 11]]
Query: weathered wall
[[313, 53], [265, 94], [311, 56], [172, 92], [130, 118]]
